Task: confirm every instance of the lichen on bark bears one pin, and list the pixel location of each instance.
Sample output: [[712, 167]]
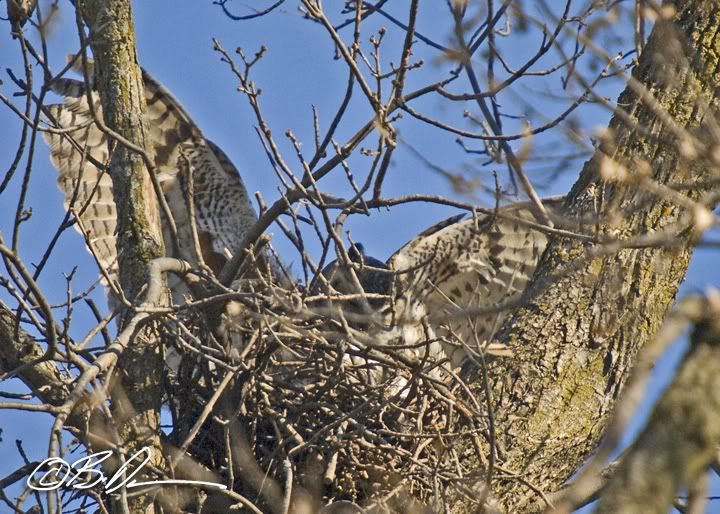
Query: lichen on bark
[[589, 313], [137, 394]]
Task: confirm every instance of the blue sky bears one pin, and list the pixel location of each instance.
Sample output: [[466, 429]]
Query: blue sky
[[297, 72]]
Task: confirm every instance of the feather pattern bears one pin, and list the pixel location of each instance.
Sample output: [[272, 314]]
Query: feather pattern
[[463, 265], [222, 207]]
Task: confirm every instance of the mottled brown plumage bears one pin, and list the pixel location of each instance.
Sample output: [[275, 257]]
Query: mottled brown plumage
[[459, 267], [222, 208], [452, 286], [440, 279]]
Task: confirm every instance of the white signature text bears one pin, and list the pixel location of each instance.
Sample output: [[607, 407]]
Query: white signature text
[[54, 473]]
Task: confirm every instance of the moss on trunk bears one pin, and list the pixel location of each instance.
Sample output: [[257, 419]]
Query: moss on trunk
[[137, 393], [576, 339]]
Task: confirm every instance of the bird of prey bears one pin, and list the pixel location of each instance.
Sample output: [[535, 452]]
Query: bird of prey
[[222, 207], [450, 287], [441, 286], [458, 278], [373, 278]]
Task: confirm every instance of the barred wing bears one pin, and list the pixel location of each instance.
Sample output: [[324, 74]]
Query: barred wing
[[459, 266], [222, 207]]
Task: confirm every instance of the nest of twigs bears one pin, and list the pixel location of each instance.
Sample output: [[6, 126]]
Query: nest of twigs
[[306, 405]]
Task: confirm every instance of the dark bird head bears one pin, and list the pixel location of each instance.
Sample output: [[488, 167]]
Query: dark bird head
[[371, 274], [373, 280], [356, 252]]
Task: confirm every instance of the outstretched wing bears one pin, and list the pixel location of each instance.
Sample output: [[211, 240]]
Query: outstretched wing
[[222, 207], [461, 266]]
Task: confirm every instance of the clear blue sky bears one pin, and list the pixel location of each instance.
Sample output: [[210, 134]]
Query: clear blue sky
[[298, 71]]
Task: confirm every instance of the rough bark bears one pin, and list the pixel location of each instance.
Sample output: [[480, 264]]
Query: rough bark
[[576, 339], [19, 353], [685, 425], [23, 356], [119, 83], [138, 393]]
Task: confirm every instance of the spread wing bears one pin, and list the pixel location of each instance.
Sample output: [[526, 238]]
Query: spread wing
[[222, 207], [463, 265]]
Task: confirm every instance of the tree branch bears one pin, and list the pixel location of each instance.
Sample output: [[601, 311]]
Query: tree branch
[[576, 340], [679, 442]]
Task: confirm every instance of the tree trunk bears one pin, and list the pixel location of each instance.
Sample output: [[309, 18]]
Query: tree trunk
[[685, 425], [138, 393], [593, 307]]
